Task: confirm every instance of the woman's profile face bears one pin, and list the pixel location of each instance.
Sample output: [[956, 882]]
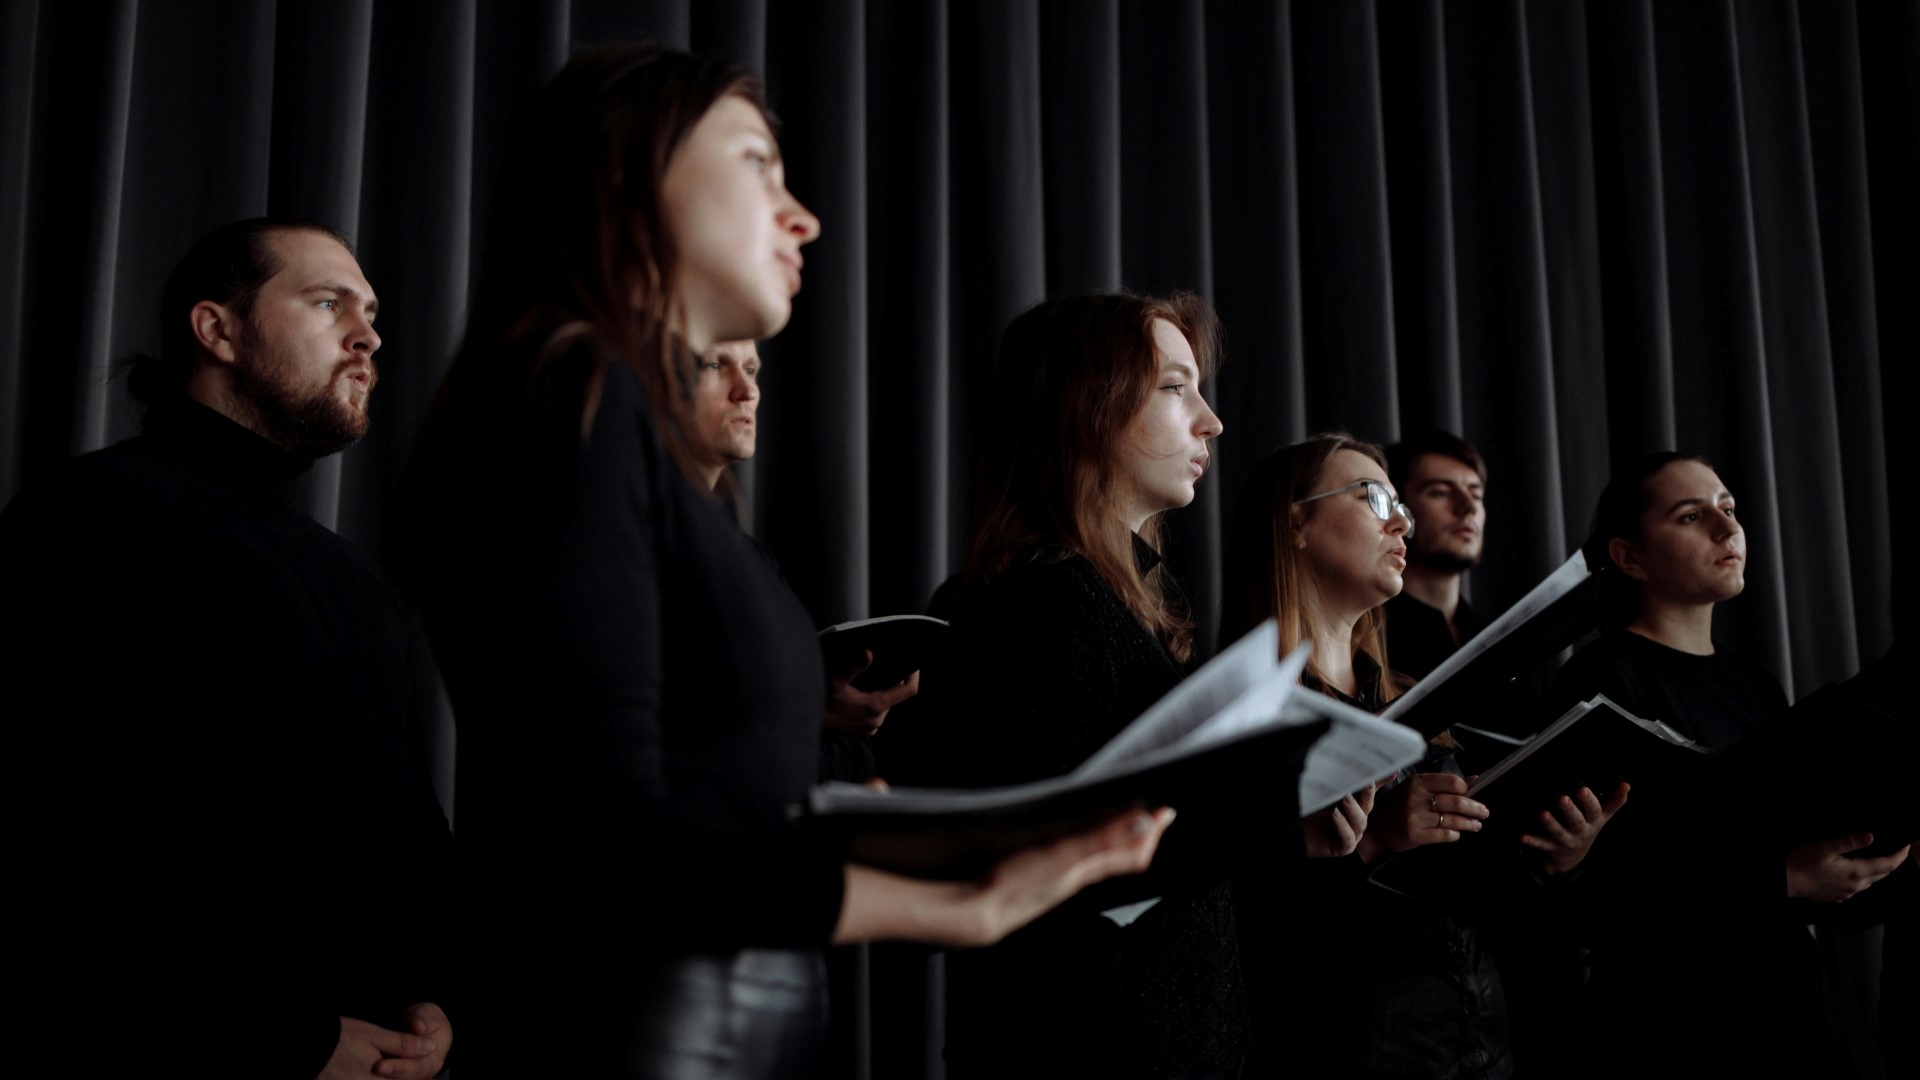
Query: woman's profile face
[[737, 231], [1354, 559], [1692, 548], [1164, 451]]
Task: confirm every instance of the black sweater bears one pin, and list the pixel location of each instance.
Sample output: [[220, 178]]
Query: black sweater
[[1046, 665], [226, 824], [638, 697]]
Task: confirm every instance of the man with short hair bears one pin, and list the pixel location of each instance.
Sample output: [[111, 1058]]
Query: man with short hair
[[726, 399], [1443, 480], [227, 839]]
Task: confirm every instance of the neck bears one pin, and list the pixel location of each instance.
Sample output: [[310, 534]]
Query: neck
[[217, 394], [1438, 589], [1687, 628], [710, 475], [1332, 637]]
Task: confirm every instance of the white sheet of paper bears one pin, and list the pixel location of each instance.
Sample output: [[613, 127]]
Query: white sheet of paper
[[1219, 683], [1357, 749], [1557, 584]]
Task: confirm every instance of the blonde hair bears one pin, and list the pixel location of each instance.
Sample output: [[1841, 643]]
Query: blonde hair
[[1263, 572]]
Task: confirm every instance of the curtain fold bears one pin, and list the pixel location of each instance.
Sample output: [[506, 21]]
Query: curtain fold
[[1573, 232]]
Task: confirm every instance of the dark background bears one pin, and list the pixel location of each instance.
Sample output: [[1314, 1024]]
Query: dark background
[[1571, 232]]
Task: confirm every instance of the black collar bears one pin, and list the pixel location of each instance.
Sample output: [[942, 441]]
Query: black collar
[[209, 441], [1144, 557]]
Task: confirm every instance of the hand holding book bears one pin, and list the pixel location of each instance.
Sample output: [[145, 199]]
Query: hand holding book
[[1567, 830]]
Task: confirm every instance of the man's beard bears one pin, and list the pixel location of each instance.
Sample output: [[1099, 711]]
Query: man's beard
[[1446, 562], [311, 423]]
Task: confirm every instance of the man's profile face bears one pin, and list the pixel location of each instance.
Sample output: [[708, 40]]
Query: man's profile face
[[726, 399], [1449, 515], [305, 360]]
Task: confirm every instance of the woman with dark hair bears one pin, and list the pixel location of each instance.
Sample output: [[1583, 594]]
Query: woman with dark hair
[[638, 693], [1066, 626], [1733, 971]]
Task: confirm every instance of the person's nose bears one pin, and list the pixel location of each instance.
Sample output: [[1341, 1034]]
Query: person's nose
[[361, 336], [799, 221], [1399, 522], [1207, 425], [745, 389]]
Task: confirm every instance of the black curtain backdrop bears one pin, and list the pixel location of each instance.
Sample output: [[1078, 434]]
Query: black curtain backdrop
[[1572, 232]]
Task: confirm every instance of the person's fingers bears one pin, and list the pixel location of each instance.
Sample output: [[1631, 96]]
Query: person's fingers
[[1880, 866], [1347, 822], [1442, 783], [1556, 832], [1364, 798], [400, 1068], [1616, 799], [878, 784], [882, 700], [1588, 805], [398, 1043], [1456, 823], [1841, 845], [1538, 843], [1459, 805]]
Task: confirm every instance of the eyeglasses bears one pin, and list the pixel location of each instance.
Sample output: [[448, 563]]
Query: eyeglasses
[[1379, 500]]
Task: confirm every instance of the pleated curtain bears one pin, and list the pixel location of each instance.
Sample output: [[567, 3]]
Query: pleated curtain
[[1571, 232]]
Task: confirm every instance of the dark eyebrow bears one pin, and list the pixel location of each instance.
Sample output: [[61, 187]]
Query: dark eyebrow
[[1722, 494]]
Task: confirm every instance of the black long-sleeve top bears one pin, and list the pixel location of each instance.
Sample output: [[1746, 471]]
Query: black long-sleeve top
[[1684, 897], [228, 834], [638, 695], [1046, 665]]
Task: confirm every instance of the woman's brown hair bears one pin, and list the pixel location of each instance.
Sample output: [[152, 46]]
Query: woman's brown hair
[[1072, 374], [1263, 570], [578, 255]]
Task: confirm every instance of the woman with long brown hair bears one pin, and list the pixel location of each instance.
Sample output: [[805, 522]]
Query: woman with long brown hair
[[638, 694], [1066, 625]]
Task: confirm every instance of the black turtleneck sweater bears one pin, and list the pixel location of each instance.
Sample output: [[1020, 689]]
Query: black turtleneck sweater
[[228, 835]]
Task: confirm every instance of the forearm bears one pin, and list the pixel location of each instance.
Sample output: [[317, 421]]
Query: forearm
[[879, 906]]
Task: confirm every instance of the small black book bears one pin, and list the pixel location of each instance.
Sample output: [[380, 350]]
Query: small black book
[[1595, 745], [901, 645]]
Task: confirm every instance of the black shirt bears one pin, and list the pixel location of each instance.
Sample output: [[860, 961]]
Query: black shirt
[[1046, 664], [1418, 639], [1684, 897], [227, 822]]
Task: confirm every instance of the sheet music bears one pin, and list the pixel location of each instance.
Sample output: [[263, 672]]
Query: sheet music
[[1219, 683], [1357, 749], [1557, 584]]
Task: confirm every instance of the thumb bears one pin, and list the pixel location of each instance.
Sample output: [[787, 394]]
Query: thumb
[[1841, 845], [400, 1044], [1617, 799]]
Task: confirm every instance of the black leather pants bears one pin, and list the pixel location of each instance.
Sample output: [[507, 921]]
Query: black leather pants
[[758, 1014]]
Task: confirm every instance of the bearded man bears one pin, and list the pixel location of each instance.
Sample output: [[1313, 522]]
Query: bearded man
[[229, 842]]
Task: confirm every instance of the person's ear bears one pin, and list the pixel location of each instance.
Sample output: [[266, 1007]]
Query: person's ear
[[217, 330], [1627, 558]]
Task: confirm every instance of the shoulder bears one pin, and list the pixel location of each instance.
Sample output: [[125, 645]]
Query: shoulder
[[1612, 664], [1048, 587], [124, 482]]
